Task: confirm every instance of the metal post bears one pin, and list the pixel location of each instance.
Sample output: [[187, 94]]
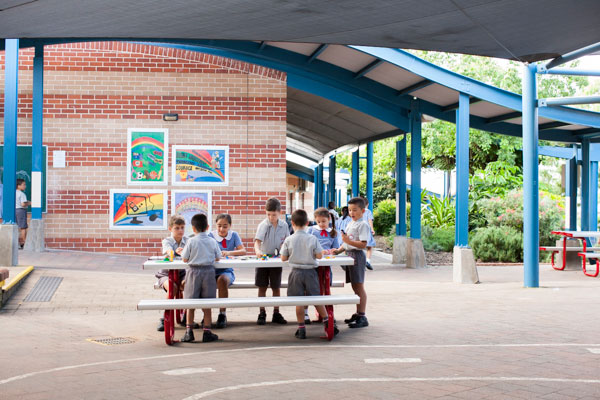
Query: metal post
[[571, 192], [370, 174], [461, 229], [530, 179], [355, 173], [11, 91], [332, 167], [316, 188], [321, 186], [585, 185], [594, 196], [37, 133], [401, 187], [415, 172]]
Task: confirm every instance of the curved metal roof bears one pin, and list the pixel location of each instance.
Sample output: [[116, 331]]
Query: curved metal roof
[[346, 95], [517, 29]]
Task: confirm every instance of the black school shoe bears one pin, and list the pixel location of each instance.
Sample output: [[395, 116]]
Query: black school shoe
[[221, 321], [161, 325], [360, 322], [262, 318], [278, 319], [208, 336], [188, 337], [335, 328], [300, 333], [351, 319], [307, 320], [369, 266]]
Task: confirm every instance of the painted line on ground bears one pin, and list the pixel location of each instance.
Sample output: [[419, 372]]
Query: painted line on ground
[[391, 360], [371, 380], [594, 351], [291, 347], [188, 371]]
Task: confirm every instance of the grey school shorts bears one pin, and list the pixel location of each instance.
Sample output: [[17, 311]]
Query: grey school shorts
[[21, 215], [265, 277], [356, 273], [303, 282], [200, 282]]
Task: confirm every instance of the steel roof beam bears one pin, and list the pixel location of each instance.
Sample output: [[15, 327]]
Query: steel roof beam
[[551, 125], [413, 88], [454, 106], [503, 117], [316, 53], [368, 68], [573, 55]]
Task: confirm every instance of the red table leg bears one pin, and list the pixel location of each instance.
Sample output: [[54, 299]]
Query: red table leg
[[169, 316], [325, 286]]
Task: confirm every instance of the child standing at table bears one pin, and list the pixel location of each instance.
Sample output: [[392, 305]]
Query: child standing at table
[[176, 241], [355, 241], [327, 236], [21, 205], [231, 245], [200, 253], [269, 237], [302, 250]]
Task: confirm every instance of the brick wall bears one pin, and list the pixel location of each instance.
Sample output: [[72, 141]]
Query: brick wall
[[94, 92]]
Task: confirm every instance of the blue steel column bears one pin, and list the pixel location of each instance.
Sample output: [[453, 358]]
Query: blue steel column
[[530, 179], [332, 167], [370, 174], [37, 128], [594, 196], [585, 185], [401, 187], [415, 173], [316, 188], [355, 173], [571, 192], [461, 233], [321, 186], [11, 92]]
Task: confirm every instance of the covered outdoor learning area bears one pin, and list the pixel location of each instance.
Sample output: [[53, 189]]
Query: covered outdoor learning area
[[343, 92]]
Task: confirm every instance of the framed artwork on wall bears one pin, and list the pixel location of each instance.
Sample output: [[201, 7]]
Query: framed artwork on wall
[[200, 165], [188, 203], [147, 151], [137, 209]]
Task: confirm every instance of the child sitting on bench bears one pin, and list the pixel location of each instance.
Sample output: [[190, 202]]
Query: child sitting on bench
[[231, 245]]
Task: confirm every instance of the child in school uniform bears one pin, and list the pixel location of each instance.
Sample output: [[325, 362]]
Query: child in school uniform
[[344, 220], [200, 253], [355, 240], [270, 234], [231, 245], [176, 241], [368, 218], [327, 237], [302, 251]]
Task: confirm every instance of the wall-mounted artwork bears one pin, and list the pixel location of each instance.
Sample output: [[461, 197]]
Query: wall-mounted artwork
[[147, 156], [201, 165], [138, 210], [188, 203]]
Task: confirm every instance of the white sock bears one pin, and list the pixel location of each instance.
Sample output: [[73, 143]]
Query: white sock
[[368, 260], [223, 312]]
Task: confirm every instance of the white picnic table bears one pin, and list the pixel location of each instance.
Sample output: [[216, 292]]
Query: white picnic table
[[247, 262]]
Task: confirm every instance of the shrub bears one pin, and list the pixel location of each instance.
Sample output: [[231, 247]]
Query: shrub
[[384, 217], [495, 243], [437, 212], [438, 239]]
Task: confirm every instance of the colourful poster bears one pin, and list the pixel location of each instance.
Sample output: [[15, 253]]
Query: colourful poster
[[147, 156], [138, 210], [201, 165], [189, 203]]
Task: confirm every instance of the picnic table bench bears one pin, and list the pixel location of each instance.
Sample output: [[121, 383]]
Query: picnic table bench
[[173, 307], [583, 251]]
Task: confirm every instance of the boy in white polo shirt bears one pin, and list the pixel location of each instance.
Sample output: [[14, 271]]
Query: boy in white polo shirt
[[21, 204], [270, 234]]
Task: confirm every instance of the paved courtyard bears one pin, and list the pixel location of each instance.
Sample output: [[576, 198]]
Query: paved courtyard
[[428, 338]]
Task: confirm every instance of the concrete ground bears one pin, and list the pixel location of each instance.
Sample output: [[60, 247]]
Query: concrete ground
[[428, 338]]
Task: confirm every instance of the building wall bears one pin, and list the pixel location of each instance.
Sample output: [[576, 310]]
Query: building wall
[[94, 92]]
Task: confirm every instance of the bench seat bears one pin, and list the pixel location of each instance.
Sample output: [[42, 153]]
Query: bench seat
[[242, 302], [560, 248], [251, 285]]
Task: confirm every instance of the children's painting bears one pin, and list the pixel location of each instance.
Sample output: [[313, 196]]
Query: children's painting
[[189, 203], [138, 210], [147, 156], [201, 165]]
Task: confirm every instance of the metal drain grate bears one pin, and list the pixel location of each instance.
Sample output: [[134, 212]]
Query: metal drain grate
[[44, 289], [112, 341]]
